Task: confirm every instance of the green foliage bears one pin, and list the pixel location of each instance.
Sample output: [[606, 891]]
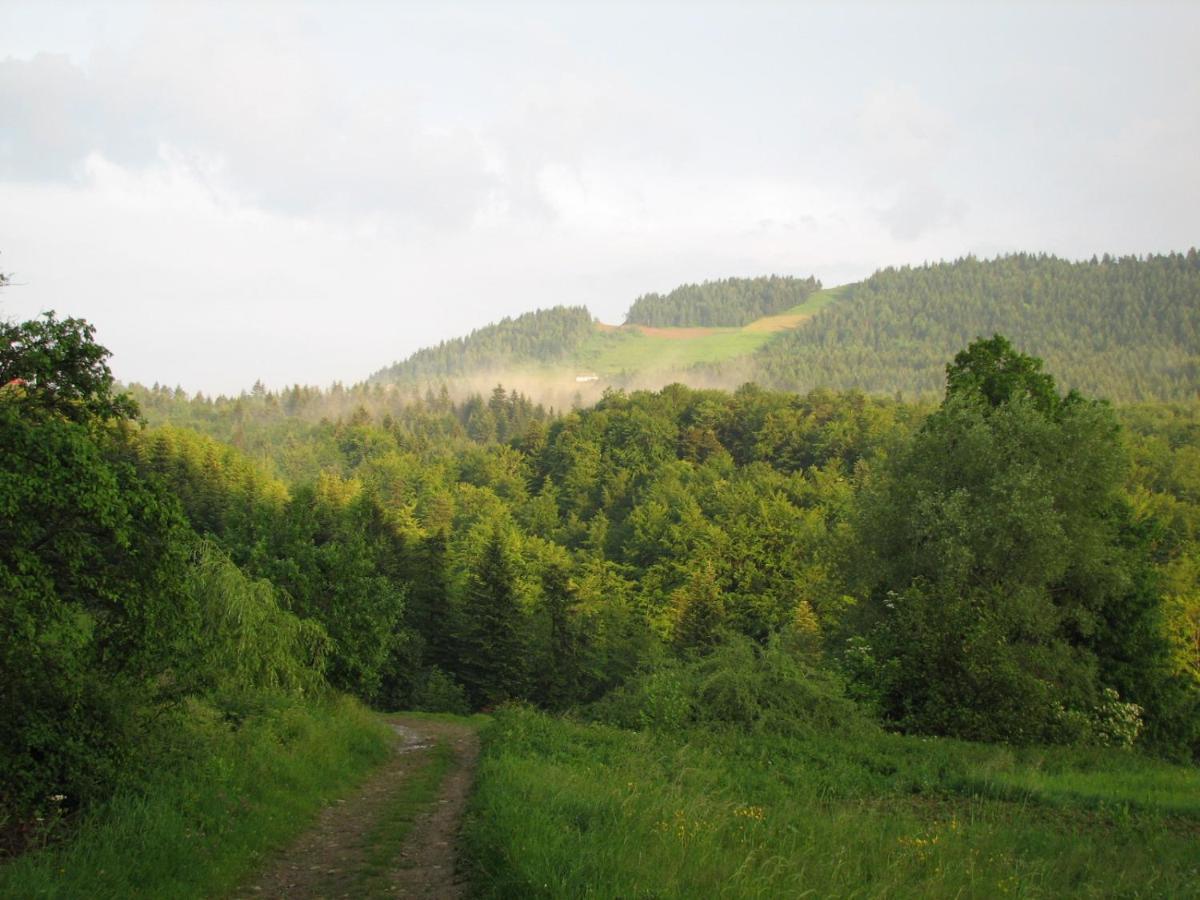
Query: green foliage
[[112, 612], [493, 652], [56, 365], [332, 554], [729, 302], [439, 692], [701, 612], [251, 643], [738, 685], [94, 615]]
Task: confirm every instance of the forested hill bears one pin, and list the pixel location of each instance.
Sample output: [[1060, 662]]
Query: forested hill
[[730, 302], [1127, 329], [545, 335], [1124, 328]]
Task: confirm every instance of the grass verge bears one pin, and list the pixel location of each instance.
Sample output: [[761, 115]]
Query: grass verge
[[225, 797], [569, 810]]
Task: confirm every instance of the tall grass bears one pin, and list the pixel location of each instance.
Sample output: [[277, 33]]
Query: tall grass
[[224, 796], [569, 810]]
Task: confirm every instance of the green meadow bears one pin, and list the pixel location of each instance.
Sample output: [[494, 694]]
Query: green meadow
[[566, 809], [629, 350]]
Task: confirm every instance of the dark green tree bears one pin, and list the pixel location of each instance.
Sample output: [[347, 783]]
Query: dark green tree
[[558, 677], [430, 611], [492, 664], [701, 612], [994, 560]]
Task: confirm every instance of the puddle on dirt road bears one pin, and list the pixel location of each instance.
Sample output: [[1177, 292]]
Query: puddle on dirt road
[[412, 740]]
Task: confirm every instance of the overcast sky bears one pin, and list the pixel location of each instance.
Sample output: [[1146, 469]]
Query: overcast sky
[[308, 192]]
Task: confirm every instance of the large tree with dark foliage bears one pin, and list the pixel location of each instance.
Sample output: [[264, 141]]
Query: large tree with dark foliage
[[1007, 581]]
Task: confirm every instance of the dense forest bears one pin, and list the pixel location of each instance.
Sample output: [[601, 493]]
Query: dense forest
[[547, 335], [1125, 328], [727, 302]]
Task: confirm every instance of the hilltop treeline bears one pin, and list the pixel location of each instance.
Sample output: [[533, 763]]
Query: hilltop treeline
[[992, 568], [546, 335], [1124, 328], [728, 302]]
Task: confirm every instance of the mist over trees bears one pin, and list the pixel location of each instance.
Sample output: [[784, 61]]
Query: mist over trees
[[546, 335]]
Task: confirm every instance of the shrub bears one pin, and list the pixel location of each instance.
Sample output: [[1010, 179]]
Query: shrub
[[740, 685], [439, 692]]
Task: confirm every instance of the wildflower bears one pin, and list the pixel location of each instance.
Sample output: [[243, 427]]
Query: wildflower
[[750, 812]]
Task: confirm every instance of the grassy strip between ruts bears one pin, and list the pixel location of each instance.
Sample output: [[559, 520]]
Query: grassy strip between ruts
[[224, 798], [563, 809], [387, 836]]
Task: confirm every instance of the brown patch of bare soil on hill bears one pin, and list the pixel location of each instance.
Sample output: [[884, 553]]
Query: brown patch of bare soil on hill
[[330, 860]]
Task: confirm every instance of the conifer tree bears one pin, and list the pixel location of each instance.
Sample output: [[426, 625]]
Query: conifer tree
[[701, 612], [559, 677], [492, 660], [430, 611]]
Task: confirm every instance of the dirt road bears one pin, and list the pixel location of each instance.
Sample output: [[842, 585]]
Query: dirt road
[[347, 852]]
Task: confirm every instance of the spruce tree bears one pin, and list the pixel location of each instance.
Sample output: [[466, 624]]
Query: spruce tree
[[492, 660], [701, 612], [559, 676]]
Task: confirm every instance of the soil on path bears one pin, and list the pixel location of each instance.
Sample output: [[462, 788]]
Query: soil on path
[[328, 860]]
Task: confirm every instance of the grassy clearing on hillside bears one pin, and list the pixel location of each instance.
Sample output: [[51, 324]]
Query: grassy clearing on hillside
[[633, 351], [563, 809], [230, 796], [610, 352]]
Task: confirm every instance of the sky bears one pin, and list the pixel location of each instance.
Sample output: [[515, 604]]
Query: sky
[[307, 192]]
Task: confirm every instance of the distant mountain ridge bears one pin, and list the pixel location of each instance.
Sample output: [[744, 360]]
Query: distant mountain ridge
[[1125, 328]]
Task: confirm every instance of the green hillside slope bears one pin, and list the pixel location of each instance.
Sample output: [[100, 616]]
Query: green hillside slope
[[1127, 328]]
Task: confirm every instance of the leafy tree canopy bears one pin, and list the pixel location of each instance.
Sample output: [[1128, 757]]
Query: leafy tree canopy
[[60, 367]]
